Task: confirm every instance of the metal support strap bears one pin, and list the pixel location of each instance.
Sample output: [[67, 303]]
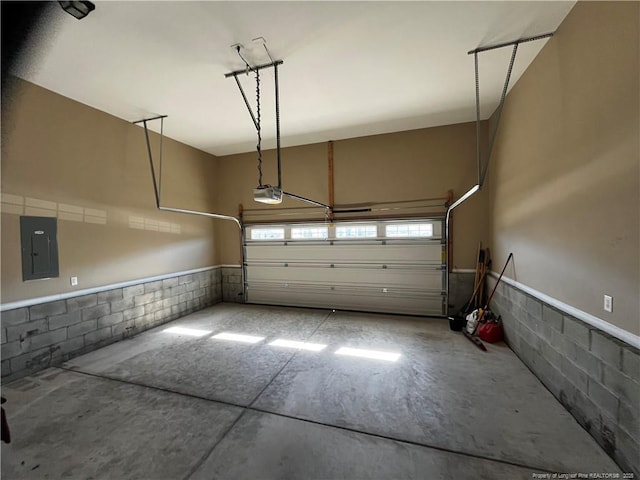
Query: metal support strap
[[475, 58], [153, 170], [253, 69], [149, 119], [482, 172], [156, 188], [259, 130], [513, 42], [275, 70], [500, 107], [256, 120], [307, 200], [246, 102], [144, 121]]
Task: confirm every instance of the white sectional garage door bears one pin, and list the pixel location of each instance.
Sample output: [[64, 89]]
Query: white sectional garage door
[[391, 266]]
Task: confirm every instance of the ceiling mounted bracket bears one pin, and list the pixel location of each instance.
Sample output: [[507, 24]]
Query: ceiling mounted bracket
[[264, 44], [157, 182], [253, 68], [238, 47], [256, 119], [482, 172], [267, 193], [512, 42]]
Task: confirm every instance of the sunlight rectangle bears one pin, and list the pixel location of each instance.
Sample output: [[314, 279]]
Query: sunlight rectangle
[[237, 337], [374, 354], [313, 347], [192, 332]]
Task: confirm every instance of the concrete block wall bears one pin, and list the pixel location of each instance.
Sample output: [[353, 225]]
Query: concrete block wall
[[49, 333], [594, 375], [232, 288], [460, 290]]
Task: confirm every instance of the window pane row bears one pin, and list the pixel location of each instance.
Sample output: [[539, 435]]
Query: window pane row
[[357, 231], [267, 234], [309, 232], [350, 231], [410, 230]]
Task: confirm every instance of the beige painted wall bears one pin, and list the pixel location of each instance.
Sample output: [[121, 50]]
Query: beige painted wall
[[565, 191], [382, 168], [76, 158]]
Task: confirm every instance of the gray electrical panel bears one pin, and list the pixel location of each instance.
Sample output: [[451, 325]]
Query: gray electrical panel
[[39, 239]]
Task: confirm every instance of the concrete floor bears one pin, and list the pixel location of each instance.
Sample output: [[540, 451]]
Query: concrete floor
[[175, 406]]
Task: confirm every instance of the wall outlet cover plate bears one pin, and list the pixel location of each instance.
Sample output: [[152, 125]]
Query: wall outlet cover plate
[[608, 303]]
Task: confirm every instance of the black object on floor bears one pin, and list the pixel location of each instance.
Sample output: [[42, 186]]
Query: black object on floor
[[456, 323], [6, 434], [475, 340]]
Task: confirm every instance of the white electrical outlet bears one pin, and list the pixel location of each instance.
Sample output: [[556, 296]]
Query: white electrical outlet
[[608, 303], [74, 281]]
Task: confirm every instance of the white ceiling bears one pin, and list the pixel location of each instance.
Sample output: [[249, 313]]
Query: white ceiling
[[350, 68]]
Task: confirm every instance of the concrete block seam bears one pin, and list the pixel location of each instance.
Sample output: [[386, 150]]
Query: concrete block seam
[[12, 318], [48, 309], [631, 362], [110, 295], [606, 348]]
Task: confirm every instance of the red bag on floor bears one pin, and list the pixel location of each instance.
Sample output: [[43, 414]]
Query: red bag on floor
[[491, 332]]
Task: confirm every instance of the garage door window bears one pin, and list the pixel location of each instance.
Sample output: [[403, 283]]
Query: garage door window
[[356, 231], [409, 230], [267, 233], [309, 233]]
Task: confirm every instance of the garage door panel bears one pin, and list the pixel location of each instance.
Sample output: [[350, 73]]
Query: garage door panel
[[346, 300], [318, 268], [415, 253], [420, 278]]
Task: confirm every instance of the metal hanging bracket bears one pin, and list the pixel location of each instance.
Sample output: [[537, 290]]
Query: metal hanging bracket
[[253, 68], [482, 172], [513, 42], [256, 117], [157, 182], [266, 193]]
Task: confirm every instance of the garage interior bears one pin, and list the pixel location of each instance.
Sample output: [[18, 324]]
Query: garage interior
[[165, 314]]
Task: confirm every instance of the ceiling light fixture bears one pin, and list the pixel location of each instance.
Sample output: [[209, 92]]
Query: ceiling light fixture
[[79, 9]]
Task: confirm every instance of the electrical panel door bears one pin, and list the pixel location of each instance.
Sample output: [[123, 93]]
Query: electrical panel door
[[39, 247]]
